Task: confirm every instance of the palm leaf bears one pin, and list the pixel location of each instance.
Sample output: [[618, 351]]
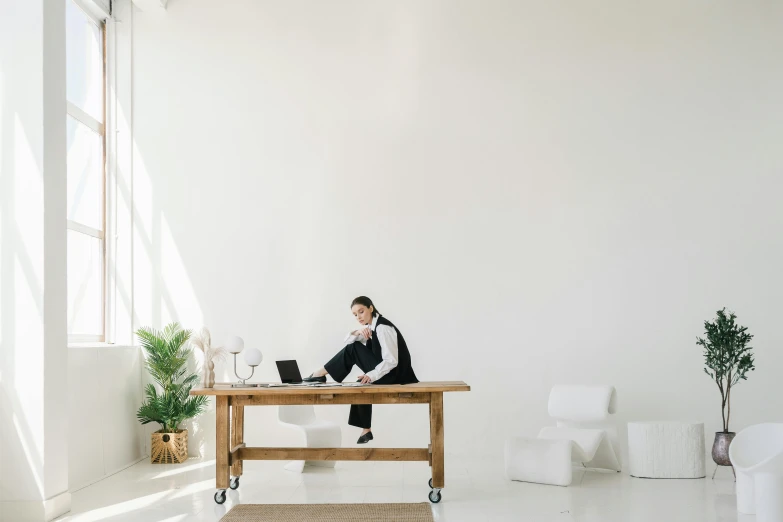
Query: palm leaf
[[167, 355]]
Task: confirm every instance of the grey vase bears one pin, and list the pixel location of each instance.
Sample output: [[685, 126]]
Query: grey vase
[[720, 448]]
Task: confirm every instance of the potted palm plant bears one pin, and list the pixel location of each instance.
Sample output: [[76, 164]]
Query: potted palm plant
[[168, 401], [727, 361]]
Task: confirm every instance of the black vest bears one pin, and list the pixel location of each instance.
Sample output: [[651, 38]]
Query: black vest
[[403, 373]]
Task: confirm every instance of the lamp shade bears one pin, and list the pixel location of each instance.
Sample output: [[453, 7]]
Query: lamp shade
[[235, 344], [253, 357]]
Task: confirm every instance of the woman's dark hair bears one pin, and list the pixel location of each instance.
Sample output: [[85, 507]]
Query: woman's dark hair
[[367, 303]]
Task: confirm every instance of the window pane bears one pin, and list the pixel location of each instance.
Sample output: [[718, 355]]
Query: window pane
[[85, 284], [85, 175], [84, 61]]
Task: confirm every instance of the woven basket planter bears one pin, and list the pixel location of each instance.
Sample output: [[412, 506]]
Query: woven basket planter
[[169, 448]]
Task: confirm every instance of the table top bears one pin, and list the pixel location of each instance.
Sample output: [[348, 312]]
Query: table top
[[419, 387]]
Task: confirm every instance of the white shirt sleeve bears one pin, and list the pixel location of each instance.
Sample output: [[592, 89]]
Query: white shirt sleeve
[[351, 338], [387, 336]]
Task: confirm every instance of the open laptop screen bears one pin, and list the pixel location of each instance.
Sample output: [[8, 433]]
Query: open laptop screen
[[289, 371]]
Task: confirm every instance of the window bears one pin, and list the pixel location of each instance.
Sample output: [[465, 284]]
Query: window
[[86, 141]]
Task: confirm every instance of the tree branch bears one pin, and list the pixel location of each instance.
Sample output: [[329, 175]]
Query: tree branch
[[728, 404]]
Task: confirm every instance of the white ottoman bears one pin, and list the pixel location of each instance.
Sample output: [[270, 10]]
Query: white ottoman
[[541, 461], [666, 450]]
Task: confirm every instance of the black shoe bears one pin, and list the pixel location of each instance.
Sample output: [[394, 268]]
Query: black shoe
[[314, 379], [364, 439]]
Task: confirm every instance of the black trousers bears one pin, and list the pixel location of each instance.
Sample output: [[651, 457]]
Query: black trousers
[[341, 365]]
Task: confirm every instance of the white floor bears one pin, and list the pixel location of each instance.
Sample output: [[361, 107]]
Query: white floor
[[475, 490]]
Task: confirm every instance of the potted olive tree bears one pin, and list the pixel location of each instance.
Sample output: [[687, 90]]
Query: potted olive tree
[[727, 361], [168, 401]]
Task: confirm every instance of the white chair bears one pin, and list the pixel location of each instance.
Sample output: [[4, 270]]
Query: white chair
[[317, 433], [539, 461], [578, 410], [757, 456]]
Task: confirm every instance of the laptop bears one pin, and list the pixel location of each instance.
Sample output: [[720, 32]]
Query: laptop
[[289, 372]]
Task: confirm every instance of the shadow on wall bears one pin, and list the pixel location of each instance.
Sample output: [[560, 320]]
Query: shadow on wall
[[21, 287], [159, 274]]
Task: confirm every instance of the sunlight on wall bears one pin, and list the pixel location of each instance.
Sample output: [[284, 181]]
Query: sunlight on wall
[[3, 240], [1, 291], [28, 195], [28, 307], [28, 352], [142, 192], [163, 289], [21, 262], [176, 283], [123, 263], [142, 255], [34, 455]]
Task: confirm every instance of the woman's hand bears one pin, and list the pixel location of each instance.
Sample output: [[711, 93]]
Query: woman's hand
[[365, 379], [364, 332]]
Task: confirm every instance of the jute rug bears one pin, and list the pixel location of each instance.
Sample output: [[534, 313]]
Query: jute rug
[[420, 512]]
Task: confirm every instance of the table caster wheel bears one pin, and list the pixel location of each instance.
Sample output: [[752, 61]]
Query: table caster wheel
[[435, 496], [234, 484], [220, 496], [430, 483]]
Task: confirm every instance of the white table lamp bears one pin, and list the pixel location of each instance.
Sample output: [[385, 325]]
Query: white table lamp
[[253, 358], [235, 345]]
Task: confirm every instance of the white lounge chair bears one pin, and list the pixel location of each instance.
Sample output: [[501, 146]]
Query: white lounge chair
[[757, 456], [317, 433], [578, 437]]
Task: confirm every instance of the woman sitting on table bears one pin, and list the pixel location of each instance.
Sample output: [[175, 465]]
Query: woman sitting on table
[[379, 350]]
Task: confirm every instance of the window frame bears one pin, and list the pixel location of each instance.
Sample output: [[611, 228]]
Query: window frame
[[98, 16]]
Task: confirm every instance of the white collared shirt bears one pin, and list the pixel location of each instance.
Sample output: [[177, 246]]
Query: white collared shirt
[[387, 337]]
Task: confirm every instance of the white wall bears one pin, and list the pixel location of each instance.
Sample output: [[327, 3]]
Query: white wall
[[103, 433], [56, 433], [534, 192], [33, 332]]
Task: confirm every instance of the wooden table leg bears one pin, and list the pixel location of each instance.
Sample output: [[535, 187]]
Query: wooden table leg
[[436, 439], [237, 436], [222, 439]]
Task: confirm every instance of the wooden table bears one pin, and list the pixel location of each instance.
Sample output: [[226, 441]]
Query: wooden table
[[230, 422]]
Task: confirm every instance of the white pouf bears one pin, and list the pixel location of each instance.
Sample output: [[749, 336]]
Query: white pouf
[[666, 450], [539, 460]]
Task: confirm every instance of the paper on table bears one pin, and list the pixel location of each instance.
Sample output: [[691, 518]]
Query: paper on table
[[306, 384]]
